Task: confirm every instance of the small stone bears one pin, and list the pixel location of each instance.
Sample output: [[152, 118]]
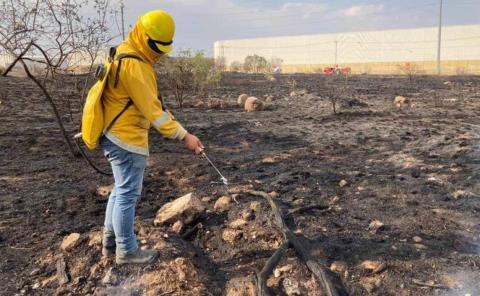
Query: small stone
[[420, 246], [255, 205], [48, 281], [461, 194], [239, 223], [268, 160], [334, 200], [110, 277], [186, 209], [277, 272], [94, 270], [241, 287], [339, 267], [247, 214], [207, 199], [95, 239], [62, 275], [274, 194], [231, 235], [373, 266], [291, 287], [342, 183], [254, 104], [222, 203], [177, 227], [69, 242], [36, 286], [400, 101], [417, 239], [375, 226]]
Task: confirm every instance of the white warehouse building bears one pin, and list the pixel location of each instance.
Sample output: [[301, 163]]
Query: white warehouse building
[[370, 52]]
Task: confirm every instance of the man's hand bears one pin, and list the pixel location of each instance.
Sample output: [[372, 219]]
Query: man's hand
[[193, 144]]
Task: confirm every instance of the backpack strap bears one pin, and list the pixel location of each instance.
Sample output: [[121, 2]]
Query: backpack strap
[[119, 58]]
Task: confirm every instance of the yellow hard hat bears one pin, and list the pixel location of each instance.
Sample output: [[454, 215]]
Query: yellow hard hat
[[160, 29]]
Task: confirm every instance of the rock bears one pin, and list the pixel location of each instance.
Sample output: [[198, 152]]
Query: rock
[[95, 239], [186, 209], [177, 227], [458, 194], [375, 226], [400, 101], [70, 241], [373, 266], [339, 267], [94, 270], [241, 287], [110, 277], [215, 103], [231, 235], [104, 191], [255, 205], [277, 272], [62, 275], [417, 239], [269, 99], [293, 94], [291, 287], [274, 194], [342, 183], [206, 199], [46, 282], [242, 99], [222, 203], [268, 160], [420, 246], [239, 223], [247, 214], [253, 104], [199, 104]]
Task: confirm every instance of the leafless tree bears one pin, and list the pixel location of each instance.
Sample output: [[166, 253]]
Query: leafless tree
[[50, 33]]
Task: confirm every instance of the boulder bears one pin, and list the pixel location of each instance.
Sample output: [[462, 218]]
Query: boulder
[[185, 209], [253, 104]]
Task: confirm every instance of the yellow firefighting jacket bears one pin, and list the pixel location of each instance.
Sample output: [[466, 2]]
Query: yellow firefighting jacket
[[136, 81]]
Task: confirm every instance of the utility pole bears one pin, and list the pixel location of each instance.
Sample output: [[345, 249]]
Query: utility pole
[[336, 53], [122, 6], [439, 49]]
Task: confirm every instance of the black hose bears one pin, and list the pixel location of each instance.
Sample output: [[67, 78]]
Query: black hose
[[89, 161]]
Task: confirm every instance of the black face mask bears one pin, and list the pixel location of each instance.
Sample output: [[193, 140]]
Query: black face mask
[[153, 46]]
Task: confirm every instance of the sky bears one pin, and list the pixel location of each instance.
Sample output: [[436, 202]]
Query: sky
[[202, 22]]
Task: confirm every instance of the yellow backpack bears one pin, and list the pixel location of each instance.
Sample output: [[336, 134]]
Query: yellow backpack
[[93, 115]]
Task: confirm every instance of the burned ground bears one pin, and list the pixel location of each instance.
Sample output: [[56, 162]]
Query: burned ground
[[414, 169]]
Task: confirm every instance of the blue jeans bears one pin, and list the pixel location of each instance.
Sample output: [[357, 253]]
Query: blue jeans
[[128, 169]]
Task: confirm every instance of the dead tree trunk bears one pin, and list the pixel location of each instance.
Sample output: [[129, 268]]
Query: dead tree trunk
[[301, 250]]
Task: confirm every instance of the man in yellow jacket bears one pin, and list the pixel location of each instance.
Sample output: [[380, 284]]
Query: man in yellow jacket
[[132, 88]]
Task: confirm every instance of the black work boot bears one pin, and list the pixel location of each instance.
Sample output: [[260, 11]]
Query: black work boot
[[138, 257], [108, 251]]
